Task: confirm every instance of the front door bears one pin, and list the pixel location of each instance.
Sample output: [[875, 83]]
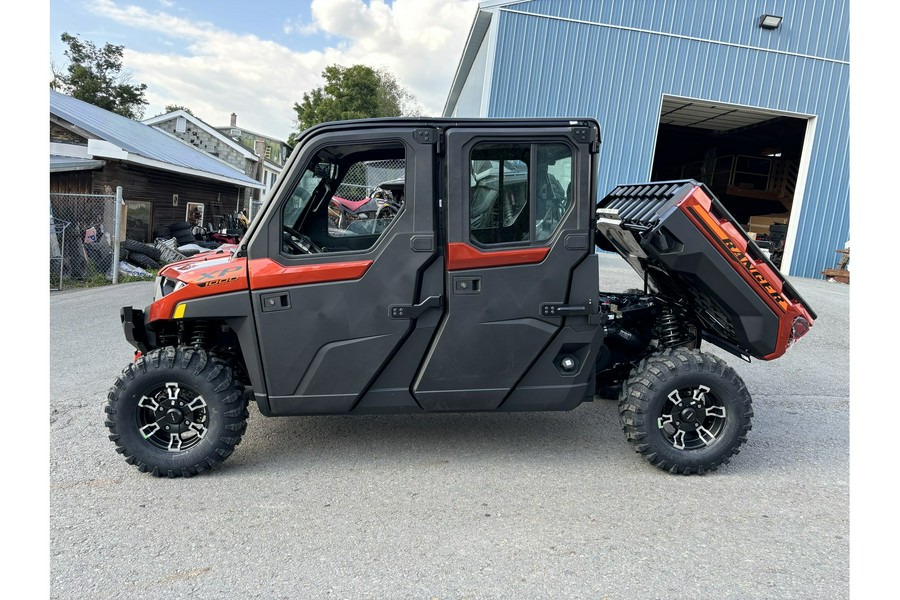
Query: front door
[[333, 290]]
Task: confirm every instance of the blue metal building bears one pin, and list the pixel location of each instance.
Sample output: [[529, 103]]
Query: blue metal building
[[645, 68]]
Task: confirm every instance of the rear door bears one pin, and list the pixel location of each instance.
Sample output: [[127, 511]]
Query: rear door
[[517, 223], [332, 300]]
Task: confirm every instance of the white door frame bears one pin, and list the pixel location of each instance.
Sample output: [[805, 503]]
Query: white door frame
[[803, 170]]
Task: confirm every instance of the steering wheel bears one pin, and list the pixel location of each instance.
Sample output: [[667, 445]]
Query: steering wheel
[[299, 242]]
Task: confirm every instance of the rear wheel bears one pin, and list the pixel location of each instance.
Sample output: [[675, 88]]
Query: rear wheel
[[685, 411], [176, 412]]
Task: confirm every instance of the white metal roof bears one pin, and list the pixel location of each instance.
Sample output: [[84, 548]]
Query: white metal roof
[[125, 139]]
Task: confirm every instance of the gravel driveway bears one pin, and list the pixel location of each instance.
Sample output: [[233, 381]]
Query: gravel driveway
[[531, 505]]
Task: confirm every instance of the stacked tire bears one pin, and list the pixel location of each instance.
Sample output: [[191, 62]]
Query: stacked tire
[[182, 233], [143, 255]]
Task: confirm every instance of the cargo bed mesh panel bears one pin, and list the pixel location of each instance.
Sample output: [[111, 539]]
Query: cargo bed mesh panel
[[640, 204]]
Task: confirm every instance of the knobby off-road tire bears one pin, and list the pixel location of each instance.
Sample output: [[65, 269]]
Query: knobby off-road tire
[[685, 411], [141, 248], [176, 412], [142, 260], [162, 232], [180, 226], [185, 238]]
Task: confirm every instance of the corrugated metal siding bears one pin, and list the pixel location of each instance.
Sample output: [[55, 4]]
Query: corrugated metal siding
[[619, 77], [811, 27]]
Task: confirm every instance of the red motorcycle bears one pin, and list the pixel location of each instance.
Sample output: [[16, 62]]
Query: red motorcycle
[[344, 211], [384, 203]]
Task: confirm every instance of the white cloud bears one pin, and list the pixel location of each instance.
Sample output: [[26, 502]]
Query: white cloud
[[299, 27], [420, 41]]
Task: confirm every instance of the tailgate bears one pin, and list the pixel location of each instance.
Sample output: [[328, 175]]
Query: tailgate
[[689, 250]]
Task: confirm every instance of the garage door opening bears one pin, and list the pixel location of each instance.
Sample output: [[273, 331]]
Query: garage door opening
[[752, 160]]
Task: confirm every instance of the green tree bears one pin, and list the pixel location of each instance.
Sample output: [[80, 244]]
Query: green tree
[[357, 92], [95, 75]]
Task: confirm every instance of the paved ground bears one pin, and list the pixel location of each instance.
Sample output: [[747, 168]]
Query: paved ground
[[454, 506]]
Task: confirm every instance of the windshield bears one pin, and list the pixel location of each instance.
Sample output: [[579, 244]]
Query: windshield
[[312, 177]]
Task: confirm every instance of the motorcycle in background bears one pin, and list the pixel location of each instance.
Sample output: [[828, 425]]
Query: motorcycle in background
[[231, 229], [384, 203]]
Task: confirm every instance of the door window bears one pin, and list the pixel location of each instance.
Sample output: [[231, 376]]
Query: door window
[[518, 192], [554, 188], [345, 200]]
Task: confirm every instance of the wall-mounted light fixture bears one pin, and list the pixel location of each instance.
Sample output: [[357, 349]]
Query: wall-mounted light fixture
[[770, 21]]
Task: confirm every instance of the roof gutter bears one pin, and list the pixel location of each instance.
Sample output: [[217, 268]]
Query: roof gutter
[[76, 165]]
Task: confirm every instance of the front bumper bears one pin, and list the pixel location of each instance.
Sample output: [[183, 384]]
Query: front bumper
[[135, 327]]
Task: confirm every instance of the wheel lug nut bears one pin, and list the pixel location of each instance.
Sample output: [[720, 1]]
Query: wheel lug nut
[[167, 427]]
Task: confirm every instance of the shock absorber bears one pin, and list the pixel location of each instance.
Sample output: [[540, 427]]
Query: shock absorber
[[202, 335], [670, 333]]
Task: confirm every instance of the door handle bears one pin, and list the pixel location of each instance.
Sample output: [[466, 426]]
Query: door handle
[[276, 302], [558, 309], [412, 311], [467, 285]]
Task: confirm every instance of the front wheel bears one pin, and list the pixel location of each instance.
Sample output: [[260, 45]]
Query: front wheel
[[176, 412], [685, 411]]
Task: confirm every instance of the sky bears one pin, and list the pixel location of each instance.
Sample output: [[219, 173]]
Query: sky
[[256, 59]]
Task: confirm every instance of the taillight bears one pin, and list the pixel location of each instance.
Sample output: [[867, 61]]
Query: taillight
[[137, 355], [799, 328]]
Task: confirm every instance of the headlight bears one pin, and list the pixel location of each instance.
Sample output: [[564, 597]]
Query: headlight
[[165, 286]]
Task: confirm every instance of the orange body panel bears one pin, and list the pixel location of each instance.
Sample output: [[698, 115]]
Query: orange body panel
[[463, 256]]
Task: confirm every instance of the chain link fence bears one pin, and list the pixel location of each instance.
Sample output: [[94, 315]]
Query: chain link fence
[[84, 236], [364, 178]]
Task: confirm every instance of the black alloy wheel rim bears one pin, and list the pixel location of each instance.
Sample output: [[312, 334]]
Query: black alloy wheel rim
[[172, 417], [692, 418]]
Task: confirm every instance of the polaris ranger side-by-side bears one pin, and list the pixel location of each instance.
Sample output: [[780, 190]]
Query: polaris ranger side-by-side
[[477, 292]]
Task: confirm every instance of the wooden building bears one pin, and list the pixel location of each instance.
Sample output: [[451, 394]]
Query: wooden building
[[164, 180]]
